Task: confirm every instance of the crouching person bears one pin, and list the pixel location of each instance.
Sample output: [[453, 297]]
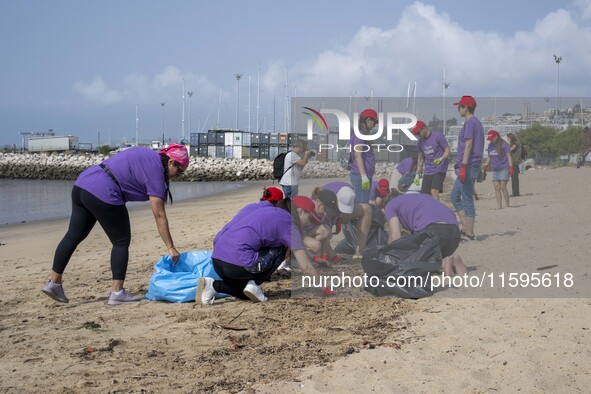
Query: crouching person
[[419, 213], [253, 244]]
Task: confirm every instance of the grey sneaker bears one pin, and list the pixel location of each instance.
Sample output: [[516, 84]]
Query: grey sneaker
[[254, 292], [205, 291], [55, 291], [122, 298]]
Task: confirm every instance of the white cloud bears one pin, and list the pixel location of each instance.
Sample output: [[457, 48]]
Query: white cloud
[[583, 7], [477, 62], [137, 88], [97, 91]]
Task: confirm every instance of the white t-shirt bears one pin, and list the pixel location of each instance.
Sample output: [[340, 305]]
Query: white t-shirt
[[291, 176]]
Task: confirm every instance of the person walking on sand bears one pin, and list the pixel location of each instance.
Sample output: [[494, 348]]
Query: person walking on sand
[[250, 247], [433, 153], [419, 213], [363, 161], [294, 163], [469, 160], [500, 162], [516, 151], [100, 193]]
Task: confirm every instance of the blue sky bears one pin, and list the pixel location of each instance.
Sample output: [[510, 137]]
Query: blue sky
[[81, 68]]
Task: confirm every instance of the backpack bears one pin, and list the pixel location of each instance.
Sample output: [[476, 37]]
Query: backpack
[[279, 164]]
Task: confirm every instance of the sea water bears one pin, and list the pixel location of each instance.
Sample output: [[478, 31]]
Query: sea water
[[24, 200]]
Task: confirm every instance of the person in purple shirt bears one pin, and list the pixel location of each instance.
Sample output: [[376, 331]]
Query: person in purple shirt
[[433, 153], [363, 161], [420, 212], [250, 247], [501, 163], [100, 193], [469, 160]]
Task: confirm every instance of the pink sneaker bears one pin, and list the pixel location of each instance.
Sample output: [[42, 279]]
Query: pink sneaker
[[55, 291], [122, 297]]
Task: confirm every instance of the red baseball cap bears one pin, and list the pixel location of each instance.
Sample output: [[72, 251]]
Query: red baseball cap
[[369, 113], [383, 187], [467, 101], [419, 126], [307, 205], [492, 134], [272, 194]]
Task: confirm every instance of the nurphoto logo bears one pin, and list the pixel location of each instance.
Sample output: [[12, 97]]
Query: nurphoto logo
[[402, 121]]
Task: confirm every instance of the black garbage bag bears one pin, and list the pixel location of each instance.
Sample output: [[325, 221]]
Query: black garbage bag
[[416, 258], [377, 236]]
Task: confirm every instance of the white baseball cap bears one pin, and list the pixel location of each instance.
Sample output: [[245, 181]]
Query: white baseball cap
[[346, 199]]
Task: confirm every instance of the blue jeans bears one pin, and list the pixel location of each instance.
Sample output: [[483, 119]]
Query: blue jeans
[[462, 194], [290, 191], [361, 196]]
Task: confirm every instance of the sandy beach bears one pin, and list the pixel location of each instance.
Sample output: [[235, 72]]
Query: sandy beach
[[445, 343]]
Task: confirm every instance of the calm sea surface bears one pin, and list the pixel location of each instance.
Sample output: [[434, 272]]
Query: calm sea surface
[[29, 200]]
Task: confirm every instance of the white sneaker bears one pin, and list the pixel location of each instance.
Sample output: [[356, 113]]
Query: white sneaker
[[254, 292], [205, 291]]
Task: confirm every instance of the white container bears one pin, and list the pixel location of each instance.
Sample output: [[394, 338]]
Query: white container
[[237, 152], [229, 138], [211, 150], [246, 139], [229, 152], [237, 138]]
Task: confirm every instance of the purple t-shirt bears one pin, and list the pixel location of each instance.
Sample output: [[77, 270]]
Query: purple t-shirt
[[417, 211], [336, 186], [405, 165], [257, 226], [138, 170], [433, 148], [498, 161], [369, 159], [472, 129]]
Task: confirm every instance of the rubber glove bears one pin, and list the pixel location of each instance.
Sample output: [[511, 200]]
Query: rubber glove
[[328, 292], [364, 182], [462, 174], [437, 161], [511, 171], [417, 180]]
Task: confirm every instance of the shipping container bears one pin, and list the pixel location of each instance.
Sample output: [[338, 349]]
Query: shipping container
[[255, 139], [246, 139], [264, 152], [283, 139], [229, 138], [237, 138], [264, 139], [194, 139], [220, 137], [282, 149], [202, 150], [322, 156], [255, 152], [274, 139], [45, 144], [237, 152], [211, 150], [194, 151], [211, 137], [273, 151], [246, 152], [228, 152], [220, 151]]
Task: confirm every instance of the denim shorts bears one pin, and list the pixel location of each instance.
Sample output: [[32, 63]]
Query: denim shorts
[[361, 196], [501, 175]]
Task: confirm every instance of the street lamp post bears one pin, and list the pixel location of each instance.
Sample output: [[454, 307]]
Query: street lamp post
[[190, 95], [557, 59], [238, 76], [162, 105]]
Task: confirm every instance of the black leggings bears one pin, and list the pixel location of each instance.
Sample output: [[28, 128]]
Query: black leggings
[[235, 278], [114, 219]]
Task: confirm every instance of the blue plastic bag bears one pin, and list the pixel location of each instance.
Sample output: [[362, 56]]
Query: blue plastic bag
[[178, 283]]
